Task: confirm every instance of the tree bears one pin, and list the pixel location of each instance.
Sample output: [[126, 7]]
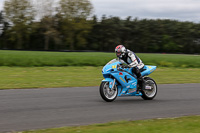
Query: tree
[[1, 22], [20, 14], [71, 9], [46, 10], [3, 30], [49, 30], [73, 15]]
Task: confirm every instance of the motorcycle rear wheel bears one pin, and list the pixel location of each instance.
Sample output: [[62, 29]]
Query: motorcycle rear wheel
[[106, 93], [149, 94]]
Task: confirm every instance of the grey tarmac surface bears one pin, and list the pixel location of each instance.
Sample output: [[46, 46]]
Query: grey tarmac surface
[[57, 107]]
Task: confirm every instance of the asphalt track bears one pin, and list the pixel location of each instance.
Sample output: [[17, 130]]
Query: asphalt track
[[57, 107]]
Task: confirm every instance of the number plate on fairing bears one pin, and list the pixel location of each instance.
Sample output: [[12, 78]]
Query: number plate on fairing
[[132, 90]]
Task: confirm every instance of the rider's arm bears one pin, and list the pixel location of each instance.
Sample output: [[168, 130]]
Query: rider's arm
[[122, 61], [134, 60]]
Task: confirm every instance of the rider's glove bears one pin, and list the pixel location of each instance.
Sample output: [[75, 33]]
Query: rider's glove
[[125, 66]]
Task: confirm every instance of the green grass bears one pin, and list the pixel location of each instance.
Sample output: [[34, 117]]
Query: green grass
[[38, 59], [176, 75], [169, 125], [171, 60], [33, 71], [43, 77]]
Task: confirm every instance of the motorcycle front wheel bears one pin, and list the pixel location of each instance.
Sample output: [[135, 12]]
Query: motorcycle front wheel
[[106, 93]]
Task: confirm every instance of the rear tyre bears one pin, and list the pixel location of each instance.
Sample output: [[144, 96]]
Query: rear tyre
[[106, 93], [149, 94]]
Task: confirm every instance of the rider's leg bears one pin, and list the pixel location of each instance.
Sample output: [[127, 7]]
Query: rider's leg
[[137, 72]]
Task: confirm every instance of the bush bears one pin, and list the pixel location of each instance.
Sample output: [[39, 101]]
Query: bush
[[38, 59]]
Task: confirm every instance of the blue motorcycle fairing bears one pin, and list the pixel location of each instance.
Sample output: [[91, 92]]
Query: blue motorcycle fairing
[[127, 83], [124, 88], [110, 80], [125, 80], [148, 70]]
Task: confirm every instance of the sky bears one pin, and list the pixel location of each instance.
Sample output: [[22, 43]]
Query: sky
[[182, 10]]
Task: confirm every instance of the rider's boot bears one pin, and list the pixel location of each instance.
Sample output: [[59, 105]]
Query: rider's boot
[[140, 79], [141, 83]]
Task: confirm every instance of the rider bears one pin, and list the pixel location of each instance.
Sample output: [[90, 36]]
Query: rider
[[133, 62]]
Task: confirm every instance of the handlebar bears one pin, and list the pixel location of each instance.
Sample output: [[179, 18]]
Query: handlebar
[[121, 66]]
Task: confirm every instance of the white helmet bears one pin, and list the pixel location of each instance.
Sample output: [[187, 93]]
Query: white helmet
[[120, 51]]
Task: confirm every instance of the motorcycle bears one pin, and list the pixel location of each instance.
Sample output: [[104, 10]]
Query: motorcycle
[[120, 81]]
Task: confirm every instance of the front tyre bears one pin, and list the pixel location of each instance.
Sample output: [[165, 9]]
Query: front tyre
[[106, 93], [149, 94]]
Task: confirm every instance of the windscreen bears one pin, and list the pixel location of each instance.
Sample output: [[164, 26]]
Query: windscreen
[[112, 61]]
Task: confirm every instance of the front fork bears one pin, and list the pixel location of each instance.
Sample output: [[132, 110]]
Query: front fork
[[112, 85]]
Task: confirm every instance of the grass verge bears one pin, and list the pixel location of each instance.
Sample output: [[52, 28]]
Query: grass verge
[[170, 125], [46, 77], [39, 59]]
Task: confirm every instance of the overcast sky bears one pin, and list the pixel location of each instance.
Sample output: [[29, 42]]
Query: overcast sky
[[183, 10]]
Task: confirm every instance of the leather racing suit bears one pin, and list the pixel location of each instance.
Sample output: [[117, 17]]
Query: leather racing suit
[[135, 63]]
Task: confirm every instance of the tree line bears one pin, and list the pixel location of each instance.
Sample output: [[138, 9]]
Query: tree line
[[39, 25]]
